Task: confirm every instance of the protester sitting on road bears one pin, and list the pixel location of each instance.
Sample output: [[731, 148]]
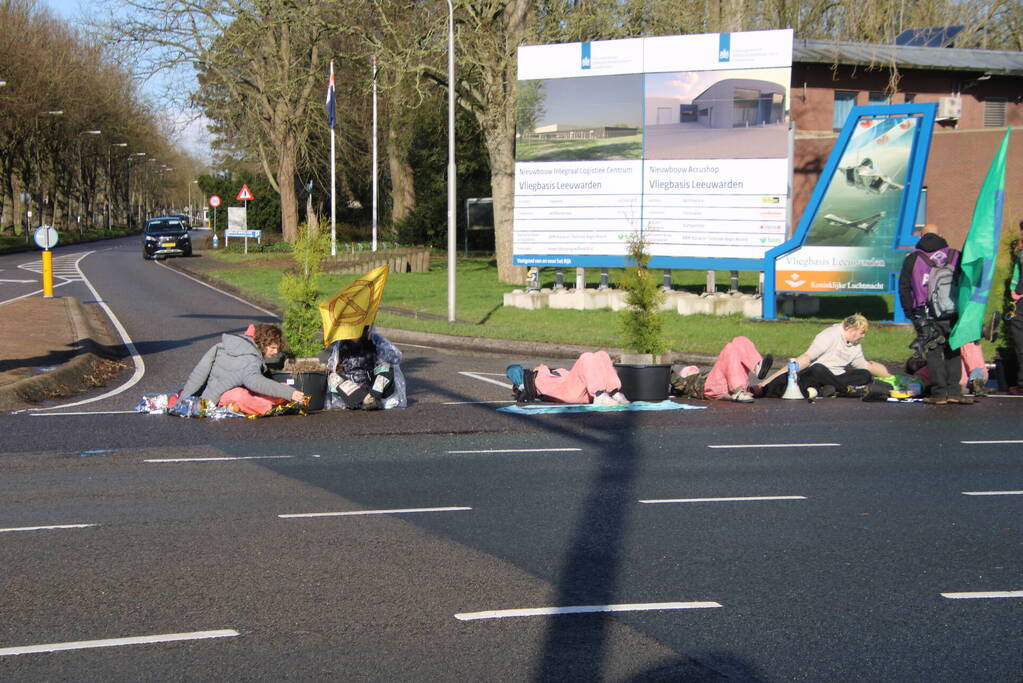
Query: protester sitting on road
[[592, 379], [232, 372], [974, 375], [833, 365], [364, 373], [728, 379]]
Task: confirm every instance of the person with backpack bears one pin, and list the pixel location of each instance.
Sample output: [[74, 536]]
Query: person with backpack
[[927, 295]]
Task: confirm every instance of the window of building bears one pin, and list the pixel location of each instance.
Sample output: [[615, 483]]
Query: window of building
[[878, 98], [845, 100], [910, 97], [994, 112]]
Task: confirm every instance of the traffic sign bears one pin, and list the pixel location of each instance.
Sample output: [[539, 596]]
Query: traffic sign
[[46, 236], [245, 194], [214, 201]]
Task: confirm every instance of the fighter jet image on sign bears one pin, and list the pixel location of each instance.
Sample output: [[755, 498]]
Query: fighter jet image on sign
[[868, 224], [867, 178]]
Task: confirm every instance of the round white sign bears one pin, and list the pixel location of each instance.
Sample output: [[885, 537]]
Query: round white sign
[[214, 201], [46, 236]]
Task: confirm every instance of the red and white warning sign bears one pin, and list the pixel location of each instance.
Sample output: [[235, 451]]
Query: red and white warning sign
[[245, 194]]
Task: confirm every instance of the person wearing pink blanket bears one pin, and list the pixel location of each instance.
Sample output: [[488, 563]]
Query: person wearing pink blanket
[[591, 379], [729, 378]]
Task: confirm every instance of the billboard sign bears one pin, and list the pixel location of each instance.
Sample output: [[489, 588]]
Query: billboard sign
[[684, 139], [853, 233]]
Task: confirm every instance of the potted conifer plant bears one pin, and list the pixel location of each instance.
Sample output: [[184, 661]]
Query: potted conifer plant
[[302, 323], [642, 327]]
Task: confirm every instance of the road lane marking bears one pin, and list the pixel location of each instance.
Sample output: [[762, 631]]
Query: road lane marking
[[973, 443], [116, 642], [583, 609], [993, 493], [733, 499], [215, 289], [355, 513], [773, 445], [980, 595], [480, 376], [84, 412], [47, 528], [519, 450], [219, 459], [472, 403]]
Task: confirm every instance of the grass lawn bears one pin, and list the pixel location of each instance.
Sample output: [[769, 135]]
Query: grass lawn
[[481, 313]]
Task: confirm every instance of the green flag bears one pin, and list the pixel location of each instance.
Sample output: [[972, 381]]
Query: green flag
[[979, 252]]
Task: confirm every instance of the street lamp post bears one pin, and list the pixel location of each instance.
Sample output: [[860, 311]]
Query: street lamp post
[[452, 178], [110, 178]]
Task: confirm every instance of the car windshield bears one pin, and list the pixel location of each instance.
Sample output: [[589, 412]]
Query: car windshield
[[164, 226]]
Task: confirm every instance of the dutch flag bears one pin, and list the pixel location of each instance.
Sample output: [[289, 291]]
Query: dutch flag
[[331, 102]]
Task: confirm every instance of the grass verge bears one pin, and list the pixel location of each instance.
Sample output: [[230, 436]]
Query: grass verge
[[481, 314]]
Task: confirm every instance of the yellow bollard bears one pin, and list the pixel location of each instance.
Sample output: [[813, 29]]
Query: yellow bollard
[[47, 273]]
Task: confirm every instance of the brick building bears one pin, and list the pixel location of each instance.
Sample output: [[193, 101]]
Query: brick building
[[979, 93]]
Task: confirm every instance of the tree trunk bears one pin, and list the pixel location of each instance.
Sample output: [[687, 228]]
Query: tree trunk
[[502, 181], [403, 190], [286, 167]]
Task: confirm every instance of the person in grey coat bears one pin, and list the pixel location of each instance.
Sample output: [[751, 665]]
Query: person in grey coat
[[238, 361]]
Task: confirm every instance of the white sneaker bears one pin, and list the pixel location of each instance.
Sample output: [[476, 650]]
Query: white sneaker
[[742, 396], [605, 400], [620, 398], [811, 393]]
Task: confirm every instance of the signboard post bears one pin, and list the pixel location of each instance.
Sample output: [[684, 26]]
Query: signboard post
[[237, 226], [214, 203], [46, 237]]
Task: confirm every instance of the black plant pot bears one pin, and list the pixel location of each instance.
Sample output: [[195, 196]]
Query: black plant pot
[[313, 384], [644, 382]]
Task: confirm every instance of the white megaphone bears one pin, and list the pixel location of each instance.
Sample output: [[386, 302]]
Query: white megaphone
[[792, 389]]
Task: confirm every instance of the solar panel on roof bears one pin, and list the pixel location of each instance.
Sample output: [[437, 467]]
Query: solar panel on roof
[[935, 36]]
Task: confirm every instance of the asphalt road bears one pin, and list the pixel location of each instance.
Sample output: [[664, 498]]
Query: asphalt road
[[779, 541]]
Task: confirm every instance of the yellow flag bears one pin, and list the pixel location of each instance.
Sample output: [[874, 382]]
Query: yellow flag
[[354, 307]]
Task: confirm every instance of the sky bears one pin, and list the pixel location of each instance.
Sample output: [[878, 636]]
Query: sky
[[192, 134]]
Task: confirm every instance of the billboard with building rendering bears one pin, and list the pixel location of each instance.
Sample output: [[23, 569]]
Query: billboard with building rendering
[[684, 139]]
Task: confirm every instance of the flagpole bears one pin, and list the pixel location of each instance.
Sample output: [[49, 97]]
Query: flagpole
[[333, 194], [375, 153]]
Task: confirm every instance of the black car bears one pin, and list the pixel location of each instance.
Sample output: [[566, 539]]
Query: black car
[[166, 236]]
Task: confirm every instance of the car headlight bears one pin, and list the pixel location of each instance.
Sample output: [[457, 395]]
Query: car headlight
[[151, 238]]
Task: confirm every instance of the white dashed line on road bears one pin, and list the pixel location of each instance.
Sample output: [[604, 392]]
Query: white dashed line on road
[[583, 609], [517, 450], [735, 499], [774, 445], [225, 459], [975, 443], [981, 595], [116, 642], [993, 493], [357, 513], [481, 377], [47, 528]]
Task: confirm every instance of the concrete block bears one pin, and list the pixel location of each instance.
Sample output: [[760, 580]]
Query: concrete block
[[531, 301]]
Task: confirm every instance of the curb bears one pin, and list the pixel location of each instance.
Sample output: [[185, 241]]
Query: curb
[[56, 383], [447, 342]]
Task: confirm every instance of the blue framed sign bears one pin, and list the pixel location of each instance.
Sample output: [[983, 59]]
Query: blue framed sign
[[860, 218]]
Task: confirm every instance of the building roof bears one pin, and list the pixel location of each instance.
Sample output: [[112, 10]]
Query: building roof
[[994, 62]]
